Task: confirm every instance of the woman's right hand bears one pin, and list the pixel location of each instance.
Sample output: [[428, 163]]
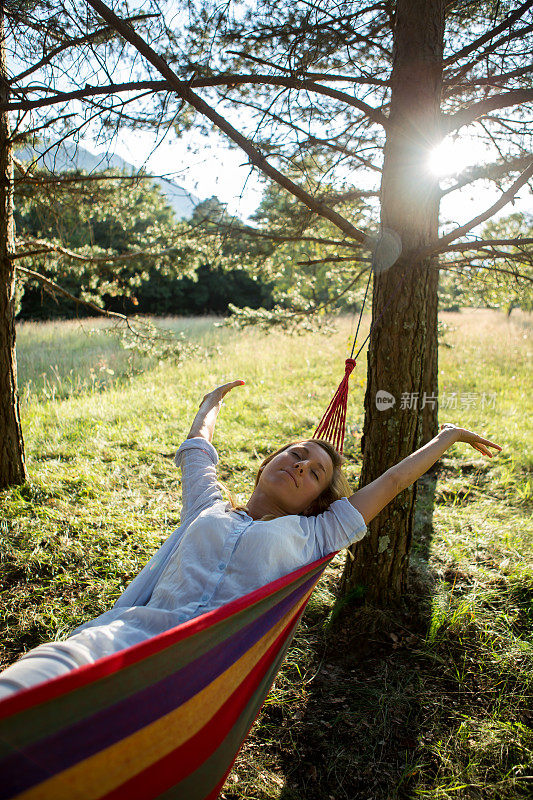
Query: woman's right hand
[[215, 397]]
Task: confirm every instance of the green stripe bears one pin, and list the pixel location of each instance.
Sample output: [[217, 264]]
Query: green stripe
[[44, 720]]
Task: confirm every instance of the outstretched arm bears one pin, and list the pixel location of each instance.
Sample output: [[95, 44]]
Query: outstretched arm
[[200, 488], [204, 422], [371, 499]]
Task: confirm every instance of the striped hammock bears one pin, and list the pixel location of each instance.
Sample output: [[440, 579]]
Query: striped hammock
[[164, 718]]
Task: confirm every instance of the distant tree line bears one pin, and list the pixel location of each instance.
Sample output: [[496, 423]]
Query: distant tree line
[[209, 292], [213, 263], [95, 225]]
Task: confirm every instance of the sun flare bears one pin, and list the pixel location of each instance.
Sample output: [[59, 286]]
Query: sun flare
[[454, 155]]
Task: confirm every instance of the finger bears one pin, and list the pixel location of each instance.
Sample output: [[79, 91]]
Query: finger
[[481, 440], [491, 444], [229, 386]]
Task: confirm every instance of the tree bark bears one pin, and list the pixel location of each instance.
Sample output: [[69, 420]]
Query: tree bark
[[409, 205], [430, 386], [12, 464]]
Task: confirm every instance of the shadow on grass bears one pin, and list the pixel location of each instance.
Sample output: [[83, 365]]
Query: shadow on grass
[[425, 505]]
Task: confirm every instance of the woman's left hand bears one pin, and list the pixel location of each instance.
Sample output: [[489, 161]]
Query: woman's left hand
[[473, 439], [216, 396]]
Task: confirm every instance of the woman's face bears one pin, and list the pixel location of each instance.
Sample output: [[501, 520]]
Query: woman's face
[[297, 476]]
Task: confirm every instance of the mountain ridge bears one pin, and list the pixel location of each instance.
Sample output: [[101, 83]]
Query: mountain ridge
[[66, 157]]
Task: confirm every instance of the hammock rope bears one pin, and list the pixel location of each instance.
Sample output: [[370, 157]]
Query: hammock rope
[[332, 426], [360, 317]]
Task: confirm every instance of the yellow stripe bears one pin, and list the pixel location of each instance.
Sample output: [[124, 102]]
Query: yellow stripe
[[110, 768]]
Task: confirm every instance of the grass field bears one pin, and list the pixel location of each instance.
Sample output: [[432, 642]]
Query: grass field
[[432, 700]]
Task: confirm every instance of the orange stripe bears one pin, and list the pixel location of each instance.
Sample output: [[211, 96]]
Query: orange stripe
[[110, 768]]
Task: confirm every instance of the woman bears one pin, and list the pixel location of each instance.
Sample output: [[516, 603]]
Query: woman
[[300, 510]]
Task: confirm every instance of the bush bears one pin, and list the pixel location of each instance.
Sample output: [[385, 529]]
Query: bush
[[159, 294]]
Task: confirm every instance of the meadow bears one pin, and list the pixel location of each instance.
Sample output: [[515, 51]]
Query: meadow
[[433, 699]]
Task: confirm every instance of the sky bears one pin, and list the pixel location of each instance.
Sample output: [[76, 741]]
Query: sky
[[206, 166]]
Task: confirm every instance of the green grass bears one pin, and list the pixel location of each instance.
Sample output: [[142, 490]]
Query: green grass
[[431, 700], [58, 360]]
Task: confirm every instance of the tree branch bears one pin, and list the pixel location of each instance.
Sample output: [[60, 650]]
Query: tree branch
[[72, 43], [491, 172], [55, 288], [480, 244], [505, 40], [334, 198], [255, 157], [220, 80], [80, 94], [253, 232], [23, 136], [331, 259], [504, 198], [57, 180], [45, 247], [467, 115], [486, 37], [489, 80], [12, 14], [491, 254], [490, 267], [313, 76]]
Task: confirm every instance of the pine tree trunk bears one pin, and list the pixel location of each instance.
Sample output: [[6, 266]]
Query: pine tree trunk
[[409, 205], [12, 466], [430, 386]]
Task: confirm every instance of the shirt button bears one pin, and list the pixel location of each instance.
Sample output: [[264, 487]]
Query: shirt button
[[222, 566], [204, 598]]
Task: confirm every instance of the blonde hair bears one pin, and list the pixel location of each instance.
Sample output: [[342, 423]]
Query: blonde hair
[[338, 486]]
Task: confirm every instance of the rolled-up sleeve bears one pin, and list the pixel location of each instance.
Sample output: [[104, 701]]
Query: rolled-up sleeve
[[197, 459], [340, 526]]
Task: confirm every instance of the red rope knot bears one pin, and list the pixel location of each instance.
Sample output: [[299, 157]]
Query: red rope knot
[[349, 366]]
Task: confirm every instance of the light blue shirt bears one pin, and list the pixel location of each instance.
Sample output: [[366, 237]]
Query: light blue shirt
[[219, 554], [216, 555]]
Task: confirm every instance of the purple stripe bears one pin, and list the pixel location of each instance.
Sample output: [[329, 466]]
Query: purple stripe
[[45, 758]]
